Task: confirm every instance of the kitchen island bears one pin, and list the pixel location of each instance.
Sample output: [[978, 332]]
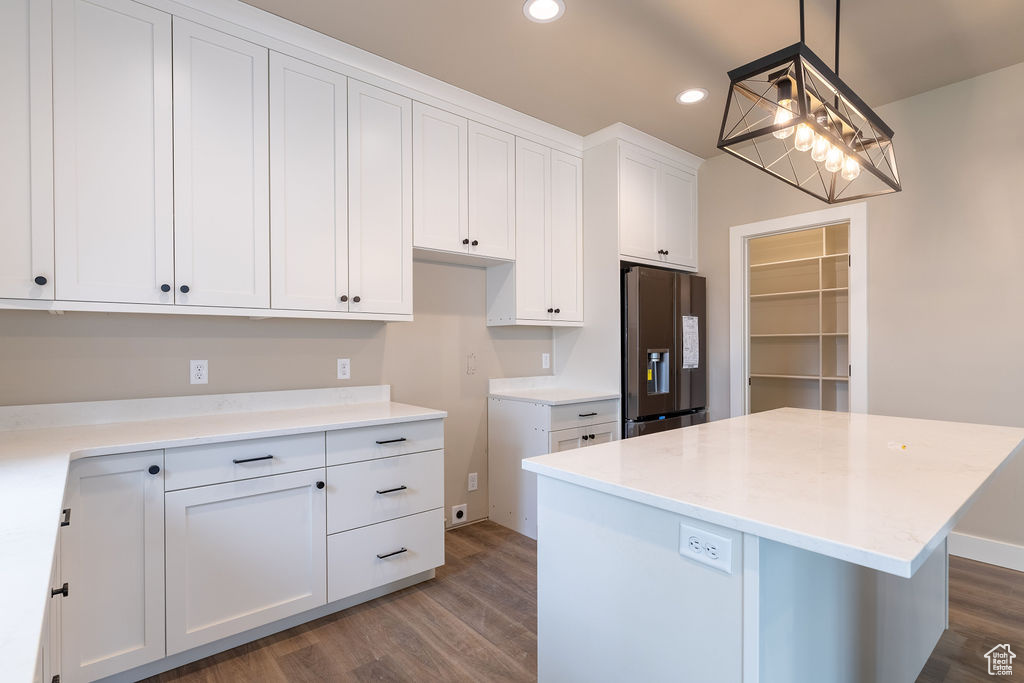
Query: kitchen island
[[792, 545]]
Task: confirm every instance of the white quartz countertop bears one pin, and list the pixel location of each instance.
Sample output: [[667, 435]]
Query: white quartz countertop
[[34, 467], [877, 491], [553, 396]]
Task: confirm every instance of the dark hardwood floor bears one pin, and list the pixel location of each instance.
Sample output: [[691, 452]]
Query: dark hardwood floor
[[477, 621]]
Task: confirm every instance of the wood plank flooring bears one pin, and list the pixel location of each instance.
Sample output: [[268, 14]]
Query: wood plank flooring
[[477, 621]]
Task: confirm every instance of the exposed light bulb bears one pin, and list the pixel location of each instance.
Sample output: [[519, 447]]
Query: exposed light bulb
[[820, 148], [804, 139], [851, 168], [783, 115], [834, 159]]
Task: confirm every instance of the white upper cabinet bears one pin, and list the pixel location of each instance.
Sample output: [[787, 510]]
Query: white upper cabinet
[[544, 286], [308, 186], [221, 169], [533, 237], [440, 179], [112, 558], [380, 200], [26, 199], [566, 237], [492, 192], [657, 209], [112, 152]]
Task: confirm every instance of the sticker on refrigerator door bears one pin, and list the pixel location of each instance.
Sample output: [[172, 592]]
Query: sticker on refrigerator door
[[691, 342]]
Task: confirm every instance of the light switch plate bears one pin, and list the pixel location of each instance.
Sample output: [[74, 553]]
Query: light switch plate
[[706, 547], [344, 368]]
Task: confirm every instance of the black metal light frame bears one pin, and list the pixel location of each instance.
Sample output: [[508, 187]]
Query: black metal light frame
[[868, 140]]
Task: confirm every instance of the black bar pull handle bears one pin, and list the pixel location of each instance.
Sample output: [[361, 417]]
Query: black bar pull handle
[[401, 438], [587, 414], [392, 554], [63, 590], [239, 461], [403, 487]]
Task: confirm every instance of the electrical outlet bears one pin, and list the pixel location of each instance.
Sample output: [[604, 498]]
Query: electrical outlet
[[198, 372], [545, 360], [472, 481], [344, 368], [471, 364], [459, 513], [704, 546]]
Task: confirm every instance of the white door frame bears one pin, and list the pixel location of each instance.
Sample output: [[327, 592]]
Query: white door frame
[[857, 215]]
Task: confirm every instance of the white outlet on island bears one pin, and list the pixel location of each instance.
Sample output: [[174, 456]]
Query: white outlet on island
[[545, 360], [344, 368]]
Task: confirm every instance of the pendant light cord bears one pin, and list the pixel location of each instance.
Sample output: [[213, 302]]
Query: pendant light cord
[[802, 21], [837, 37]]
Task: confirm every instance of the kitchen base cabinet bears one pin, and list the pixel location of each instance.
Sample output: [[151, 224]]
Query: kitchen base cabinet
[[371, 556], [112, 560], [523, 429], [242, 554]]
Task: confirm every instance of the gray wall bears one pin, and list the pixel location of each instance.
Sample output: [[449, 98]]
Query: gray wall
[[945, 271], [94, 356]]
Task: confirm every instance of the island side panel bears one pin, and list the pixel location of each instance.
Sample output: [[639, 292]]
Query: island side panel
[[823, 620], [617, 601]]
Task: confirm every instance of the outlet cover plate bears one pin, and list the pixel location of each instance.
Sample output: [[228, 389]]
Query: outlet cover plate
[[703, 546], [472, 483], [344, 368], [198, 372]]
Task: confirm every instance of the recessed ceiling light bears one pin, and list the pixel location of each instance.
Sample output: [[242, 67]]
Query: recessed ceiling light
[[543, 11], [691, 96]]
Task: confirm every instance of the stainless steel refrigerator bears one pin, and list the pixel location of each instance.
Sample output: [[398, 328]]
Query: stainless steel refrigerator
[[664, 359]]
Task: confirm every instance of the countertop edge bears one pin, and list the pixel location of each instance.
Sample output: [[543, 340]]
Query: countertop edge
[[583, 398], [889, 564]]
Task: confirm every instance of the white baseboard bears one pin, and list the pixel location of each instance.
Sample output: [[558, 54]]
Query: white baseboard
[[987, 550]]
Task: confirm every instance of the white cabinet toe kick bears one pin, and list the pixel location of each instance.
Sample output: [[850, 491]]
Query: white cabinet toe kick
[[172, 555]]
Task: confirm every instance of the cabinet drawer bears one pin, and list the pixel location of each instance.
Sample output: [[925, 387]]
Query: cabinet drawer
[[372, 556], [374, 491], [382, 441], [583, 414], [235, 460]]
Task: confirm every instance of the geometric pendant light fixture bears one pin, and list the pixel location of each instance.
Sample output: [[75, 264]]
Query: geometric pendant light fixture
[[792, 116]]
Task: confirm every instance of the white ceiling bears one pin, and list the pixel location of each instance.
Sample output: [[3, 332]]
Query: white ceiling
[[625, 60]]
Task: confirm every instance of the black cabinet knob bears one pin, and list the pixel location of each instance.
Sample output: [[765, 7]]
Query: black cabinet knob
[[666, 252], [320, 484], [355, 299], [465, 240], [343, 298], [551, 310], [585, 437], [165, 288], [40, 280], [184, 289], [558, 310], [474, 243], [154, 469], [592, 437]]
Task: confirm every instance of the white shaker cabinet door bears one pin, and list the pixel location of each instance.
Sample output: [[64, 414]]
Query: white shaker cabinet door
[[244, 554], [638, 204], [308, 186], [221, 174], [113, 187], [533, 239], [492, 192], [566, 237], [380, 200], [112, 558], [26, 160], [439, 162], [677, 216]]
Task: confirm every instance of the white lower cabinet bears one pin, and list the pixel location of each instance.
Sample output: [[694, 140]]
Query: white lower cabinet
[[112, 561], [243, 554], [375, 555]]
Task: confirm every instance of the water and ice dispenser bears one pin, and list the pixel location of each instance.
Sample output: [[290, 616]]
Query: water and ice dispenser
[[658, 371]]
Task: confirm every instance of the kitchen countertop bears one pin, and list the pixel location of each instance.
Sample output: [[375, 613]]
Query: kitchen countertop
[[881, 492], [552, 396], [34, 466]]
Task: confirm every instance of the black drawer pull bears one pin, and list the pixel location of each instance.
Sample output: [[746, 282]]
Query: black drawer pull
[[320, 484], [585, 437], [587, 414], [401, 438], [592, 437], [397, 552], [63, 590], [40, 280], [403, 487], [262, 457], [66, 517]]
